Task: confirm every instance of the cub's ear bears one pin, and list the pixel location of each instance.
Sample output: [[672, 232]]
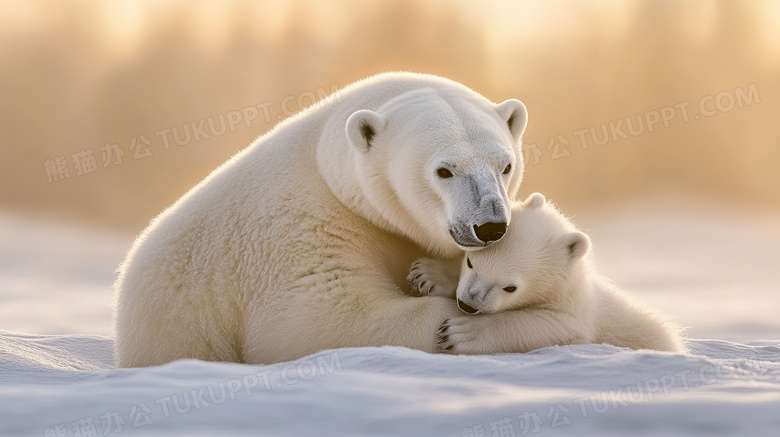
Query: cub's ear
[[577, 244], [535, 200], [361, 128], [515, 115]]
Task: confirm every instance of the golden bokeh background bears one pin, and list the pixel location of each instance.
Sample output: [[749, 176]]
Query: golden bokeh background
[[78, 76]]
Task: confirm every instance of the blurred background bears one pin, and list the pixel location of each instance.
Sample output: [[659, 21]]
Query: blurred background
[[81, 75], [111, 110]]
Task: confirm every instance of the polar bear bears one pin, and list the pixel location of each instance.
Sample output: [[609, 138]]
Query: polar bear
[[302, 241], [535, 288]]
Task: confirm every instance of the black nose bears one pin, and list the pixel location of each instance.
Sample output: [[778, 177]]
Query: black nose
[[490, 231], [466, 308]]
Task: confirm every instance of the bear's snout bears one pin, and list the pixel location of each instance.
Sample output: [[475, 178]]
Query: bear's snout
[[490, 231], [466, 308]]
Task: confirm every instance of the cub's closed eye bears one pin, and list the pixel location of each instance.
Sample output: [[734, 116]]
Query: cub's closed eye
[[508, 169], [444, 173], [468, 263], [510, 289]]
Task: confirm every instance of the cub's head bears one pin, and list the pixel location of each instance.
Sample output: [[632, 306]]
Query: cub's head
[[533, 262], [440, 165]]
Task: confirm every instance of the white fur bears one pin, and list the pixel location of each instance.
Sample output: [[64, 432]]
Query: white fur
[[301, 242], [558, 298]]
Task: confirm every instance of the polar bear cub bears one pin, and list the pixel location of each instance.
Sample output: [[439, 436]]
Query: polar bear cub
[[536, 287]]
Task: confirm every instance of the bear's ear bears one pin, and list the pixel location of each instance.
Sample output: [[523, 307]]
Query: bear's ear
[[361, 128], [513, 112], [535, 200], [577, 244]]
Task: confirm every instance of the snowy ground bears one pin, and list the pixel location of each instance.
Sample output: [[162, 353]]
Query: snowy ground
[[709, 267]]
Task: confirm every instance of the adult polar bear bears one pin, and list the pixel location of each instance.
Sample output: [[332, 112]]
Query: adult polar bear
[[302, 241]]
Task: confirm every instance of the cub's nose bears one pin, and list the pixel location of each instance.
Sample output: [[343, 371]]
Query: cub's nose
[[490, 231], [466, 308]]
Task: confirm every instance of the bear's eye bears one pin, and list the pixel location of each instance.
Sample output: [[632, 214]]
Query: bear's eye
[[444, 173], [508, 169], [468, 263], [510, 289]]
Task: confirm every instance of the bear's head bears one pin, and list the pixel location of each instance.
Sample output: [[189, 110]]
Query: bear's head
[[535, 262], [440, 166]]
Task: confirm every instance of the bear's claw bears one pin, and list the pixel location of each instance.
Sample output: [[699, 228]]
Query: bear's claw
[[428, 277], [463, 335], [444, 343]]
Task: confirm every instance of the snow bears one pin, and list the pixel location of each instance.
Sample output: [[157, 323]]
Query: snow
[[47, 266], [584, 390], [708, 267]]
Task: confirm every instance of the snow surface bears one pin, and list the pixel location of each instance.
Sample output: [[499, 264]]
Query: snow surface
[[69, 382], [710, 268]]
